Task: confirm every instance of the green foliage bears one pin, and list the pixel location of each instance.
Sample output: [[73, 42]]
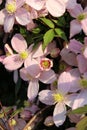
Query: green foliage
[[82, 124], [81, 110], [48, 37], [60, 33], [48, 22]]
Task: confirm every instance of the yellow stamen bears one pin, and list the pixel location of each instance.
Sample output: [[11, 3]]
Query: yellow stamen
[[13, 122], [24, 55], [11, 7], [81, 17], [58, 97]]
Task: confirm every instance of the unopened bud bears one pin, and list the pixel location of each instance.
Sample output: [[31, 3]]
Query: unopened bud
[[55, 52], [49, 121]]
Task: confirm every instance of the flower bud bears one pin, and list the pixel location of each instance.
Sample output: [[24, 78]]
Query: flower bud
[[49, 121]]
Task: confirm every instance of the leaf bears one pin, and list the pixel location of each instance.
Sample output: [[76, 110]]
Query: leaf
[[48, 37], [36, 30], [60, 21], [48, 22], [60, 33], [81, 110], [82, 124]]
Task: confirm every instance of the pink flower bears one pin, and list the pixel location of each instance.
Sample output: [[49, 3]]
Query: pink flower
[[35, 73], [15, 61], [80, 50], [60, 97], [14, 10], [80, 20]]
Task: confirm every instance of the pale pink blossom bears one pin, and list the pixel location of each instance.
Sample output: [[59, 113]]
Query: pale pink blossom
[[15, 61], [14, 10], [60, 97], [34, 73], [80, 20], [80, 50]]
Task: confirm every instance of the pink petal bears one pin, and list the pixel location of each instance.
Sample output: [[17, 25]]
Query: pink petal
[[15, 76], [18, 43], [33, 69], [20, 3], [75, 46], [70, 4], [2, 15], [84, 26], [64, 82], [22, 16], [85, 52], [82, 63], [45, 96], [23, 74], [9, 22], [80, 100], [70, 99], [12, 62], [55, 7], [77, 10], [59, 114], [47, 77], [33, 89], [75, 78], [2, 58], [85, 41], [67, 55], [75, 28], [36, 4]]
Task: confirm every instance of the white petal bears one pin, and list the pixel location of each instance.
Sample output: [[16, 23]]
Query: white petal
[[33, 89], [59, 114], [81, 99], [45, 96]]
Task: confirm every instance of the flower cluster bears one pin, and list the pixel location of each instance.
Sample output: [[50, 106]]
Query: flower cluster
[[45, 46]]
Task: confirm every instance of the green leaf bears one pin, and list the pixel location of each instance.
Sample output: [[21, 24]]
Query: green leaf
[[60, 21], [48, 22], [48, 37], [60, 33], [36, 30], [82, 124], [81, 110]]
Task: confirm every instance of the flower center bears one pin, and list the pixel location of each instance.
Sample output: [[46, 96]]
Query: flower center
[[81, 17], [58, 97], [11, 7], [83, 83], [13, 122], [46, 64], [24, 55]]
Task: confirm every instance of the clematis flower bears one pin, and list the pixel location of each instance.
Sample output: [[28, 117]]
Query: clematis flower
[[55, 7], [14, 10], [80, 50], [81, 98], [60, 97], [15, 61], [80, 20], [35, 73]]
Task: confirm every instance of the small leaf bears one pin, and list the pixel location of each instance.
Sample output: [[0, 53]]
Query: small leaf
[[60, 33], [82, 124], [36, 30], [48, 22], [48, 37], [81, 110]]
